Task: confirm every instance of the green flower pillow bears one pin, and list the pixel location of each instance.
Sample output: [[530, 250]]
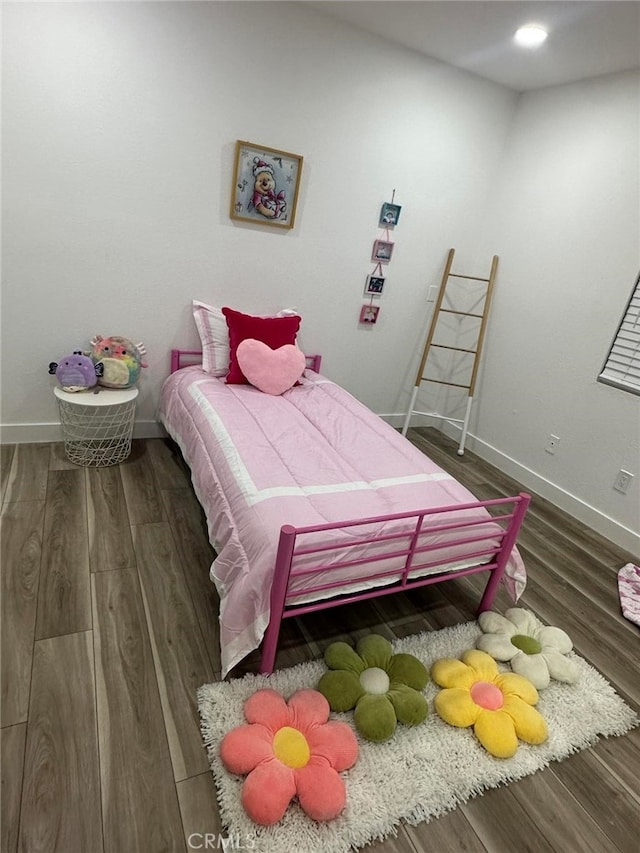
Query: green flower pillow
[[383, 688]]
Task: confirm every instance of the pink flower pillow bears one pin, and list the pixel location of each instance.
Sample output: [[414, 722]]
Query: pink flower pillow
[[273, 371], [290, 749]]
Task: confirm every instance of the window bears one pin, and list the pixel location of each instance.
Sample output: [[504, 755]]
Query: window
[[622, 367]]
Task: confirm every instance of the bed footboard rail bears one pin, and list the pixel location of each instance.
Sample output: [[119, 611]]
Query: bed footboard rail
[[387, 554]]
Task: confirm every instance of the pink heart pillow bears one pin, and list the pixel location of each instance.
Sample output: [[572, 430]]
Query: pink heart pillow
[[273, 371]]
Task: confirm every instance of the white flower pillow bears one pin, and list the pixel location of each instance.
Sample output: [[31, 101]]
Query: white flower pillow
[[535, 651]]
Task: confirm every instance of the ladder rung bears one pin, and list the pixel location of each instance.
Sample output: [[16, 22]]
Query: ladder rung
[[438, 415], [462, 313], [470, 277], [441, 382], [457, 349]]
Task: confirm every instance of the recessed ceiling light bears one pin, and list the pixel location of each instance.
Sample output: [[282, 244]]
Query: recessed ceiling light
[[531, 35]]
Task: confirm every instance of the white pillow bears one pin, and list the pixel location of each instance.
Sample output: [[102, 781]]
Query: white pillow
[[214, 338]]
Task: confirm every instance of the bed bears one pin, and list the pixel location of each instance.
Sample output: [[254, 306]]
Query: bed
[[313, 501]]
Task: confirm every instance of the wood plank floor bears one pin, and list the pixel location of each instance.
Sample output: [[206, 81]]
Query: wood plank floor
[[109, 624]]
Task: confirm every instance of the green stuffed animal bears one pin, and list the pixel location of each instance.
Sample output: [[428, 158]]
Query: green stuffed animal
[[382, 687]]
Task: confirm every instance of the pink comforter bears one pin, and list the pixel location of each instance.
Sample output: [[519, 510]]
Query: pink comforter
[[311, 456]]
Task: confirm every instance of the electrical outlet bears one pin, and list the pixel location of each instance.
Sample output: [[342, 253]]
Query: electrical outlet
[[623, 481], [552, 443]]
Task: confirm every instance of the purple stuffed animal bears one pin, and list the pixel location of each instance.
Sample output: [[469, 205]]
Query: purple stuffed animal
[[76, 372]]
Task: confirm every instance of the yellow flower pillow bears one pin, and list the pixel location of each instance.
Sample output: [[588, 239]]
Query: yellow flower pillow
[[498, 705]]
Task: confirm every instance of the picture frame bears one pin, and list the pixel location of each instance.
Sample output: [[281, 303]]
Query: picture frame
[[389, 215], [266, 183], [374, 285], [382, 251], [369, 314]]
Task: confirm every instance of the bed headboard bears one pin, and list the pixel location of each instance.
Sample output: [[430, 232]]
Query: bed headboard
[[187, 357]]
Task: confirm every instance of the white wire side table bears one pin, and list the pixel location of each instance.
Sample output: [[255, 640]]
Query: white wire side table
[[97, 427]]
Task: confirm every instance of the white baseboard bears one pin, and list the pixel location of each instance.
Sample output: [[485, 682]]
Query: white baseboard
[[594, 518], [149, 429], [41, 433], [30, 433]]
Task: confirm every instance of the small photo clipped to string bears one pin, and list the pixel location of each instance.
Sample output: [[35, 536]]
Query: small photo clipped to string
[[389, 215], [374, 285], [369, 314], [382, 251]]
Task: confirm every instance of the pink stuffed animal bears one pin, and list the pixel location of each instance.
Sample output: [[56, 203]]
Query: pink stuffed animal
[[121, 358]]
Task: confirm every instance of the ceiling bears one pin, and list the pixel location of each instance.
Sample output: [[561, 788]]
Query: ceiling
[[586, 39]]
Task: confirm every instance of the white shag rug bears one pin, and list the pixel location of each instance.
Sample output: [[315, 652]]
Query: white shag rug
[[423, 771]]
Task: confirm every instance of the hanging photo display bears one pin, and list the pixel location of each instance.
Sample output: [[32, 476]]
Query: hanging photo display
[[381, 254]]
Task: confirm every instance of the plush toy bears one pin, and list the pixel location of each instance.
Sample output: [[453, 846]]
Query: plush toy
[[383, 688], [121, 358], [76, 372]]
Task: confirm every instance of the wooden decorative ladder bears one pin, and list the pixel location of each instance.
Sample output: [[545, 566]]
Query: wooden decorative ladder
[[480, 319]]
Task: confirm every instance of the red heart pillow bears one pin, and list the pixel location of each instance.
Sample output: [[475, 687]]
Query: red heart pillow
[[273, 371]]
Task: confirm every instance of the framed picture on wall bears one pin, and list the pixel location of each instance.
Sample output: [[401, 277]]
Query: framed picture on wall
[[369, 314], [266, 182], [382, 251], [389, 215], [374, 285]]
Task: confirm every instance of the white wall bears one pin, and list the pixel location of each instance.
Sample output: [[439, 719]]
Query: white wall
[[565, 219], [120, 121], [120, 126]]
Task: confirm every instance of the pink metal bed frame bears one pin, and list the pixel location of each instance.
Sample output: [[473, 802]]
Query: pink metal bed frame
[[487, 550]]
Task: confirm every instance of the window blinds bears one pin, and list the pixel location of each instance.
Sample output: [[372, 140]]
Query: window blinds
[[622, 367]]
